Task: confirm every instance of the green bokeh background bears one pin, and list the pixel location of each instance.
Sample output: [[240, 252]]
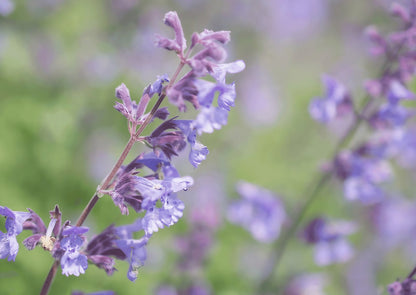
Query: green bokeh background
[[56, 115]]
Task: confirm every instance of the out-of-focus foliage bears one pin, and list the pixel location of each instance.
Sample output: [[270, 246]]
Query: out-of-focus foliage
[[60, 61]]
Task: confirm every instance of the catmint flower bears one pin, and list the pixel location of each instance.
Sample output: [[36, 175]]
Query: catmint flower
[[14, 226], [336, 102], [259, 211], [170, 142], [135, 113], [198, 154], [45, 237], [136, 255], [329, 239], [179, 43], [72, 261], [102, 248]]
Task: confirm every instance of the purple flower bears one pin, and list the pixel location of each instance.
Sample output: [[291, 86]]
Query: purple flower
[[45, 237], [72, 261], [390, 116], [198, 154], [329, 240], [336, 102], [397, 92], [362, 175], [102, 248], [14, 226], [179, 43], [136, 255], [259, 211]]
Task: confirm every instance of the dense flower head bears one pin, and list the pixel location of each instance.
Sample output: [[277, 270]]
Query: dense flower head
[[259, 211], [329, 240]]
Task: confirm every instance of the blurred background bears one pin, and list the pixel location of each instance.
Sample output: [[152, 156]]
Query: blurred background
[[60, 61]]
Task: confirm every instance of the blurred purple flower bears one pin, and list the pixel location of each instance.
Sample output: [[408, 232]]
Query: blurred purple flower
[[336, 102], [362, 175], [6, 7], [331, 246], [259, 211], [14, 226], [306, 284]]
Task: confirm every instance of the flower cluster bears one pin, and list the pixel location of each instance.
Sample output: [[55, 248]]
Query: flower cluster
[[149, 183]]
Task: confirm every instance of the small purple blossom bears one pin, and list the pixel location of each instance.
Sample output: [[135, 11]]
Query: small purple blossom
[[72, 261], [6, 7], [329, 239], [14, 226], [259, 211], [136, 255], [336, 102]]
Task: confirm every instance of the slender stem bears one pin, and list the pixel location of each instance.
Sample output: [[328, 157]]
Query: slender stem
[[107, 181], [311, 195], [412, 273], [48, 282]]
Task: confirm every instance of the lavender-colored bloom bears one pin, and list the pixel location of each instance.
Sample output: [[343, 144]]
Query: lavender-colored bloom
[[259, 211], [329, 240], [390, 116], [210, 119], [179, 43], [334, 104], [398, 92], [198, 154], [135, 252], [6, 7], [362, 176], [14, 226], [102, 248], [72, 261]]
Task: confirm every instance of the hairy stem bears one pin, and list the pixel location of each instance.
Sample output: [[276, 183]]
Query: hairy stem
[[106, 183]]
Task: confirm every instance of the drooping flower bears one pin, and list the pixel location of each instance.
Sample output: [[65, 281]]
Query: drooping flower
[[406, 287], [136, 255], [259, 211], [102, 250], [14, 226]]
